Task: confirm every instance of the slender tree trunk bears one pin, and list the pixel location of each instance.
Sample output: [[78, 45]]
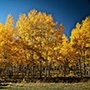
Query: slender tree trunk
[[32, 71], [66, 67], [40, 68], [80, 68], [46, 69], [49, 71], [84, 69], [84, 65]]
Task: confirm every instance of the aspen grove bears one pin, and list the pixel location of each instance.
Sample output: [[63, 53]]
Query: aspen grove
[[35, 46]]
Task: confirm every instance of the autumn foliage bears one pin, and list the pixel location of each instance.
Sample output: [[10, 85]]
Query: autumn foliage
[[35, 47]]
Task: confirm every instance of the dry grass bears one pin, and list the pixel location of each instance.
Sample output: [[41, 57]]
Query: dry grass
[[48, 86]]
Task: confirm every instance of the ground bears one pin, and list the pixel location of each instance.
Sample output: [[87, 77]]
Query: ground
[[47, 86]]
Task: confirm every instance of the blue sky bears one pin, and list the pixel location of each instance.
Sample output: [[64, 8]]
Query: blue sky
[[67, 12]]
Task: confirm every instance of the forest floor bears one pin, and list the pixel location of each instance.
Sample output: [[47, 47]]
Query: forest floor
[[47, 86]]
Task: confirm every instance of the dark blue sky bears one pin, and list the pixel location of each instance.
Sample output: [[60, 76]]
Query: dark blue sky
[[67, 12]]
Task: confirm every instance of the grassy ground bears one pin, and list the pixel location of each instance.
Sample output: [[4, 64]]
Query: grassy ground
[[47, 86]]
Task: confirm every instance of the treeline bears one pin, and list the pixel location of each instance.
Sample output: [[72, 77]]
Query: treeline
[[36, 47]]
